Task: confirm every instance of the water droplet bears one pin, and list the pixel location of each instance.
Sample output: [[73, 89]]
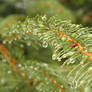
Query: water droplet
[[44, 18], [4, 60], [54, 56], [3, 81], [73, 62], [30, 77], [81, 33], [19, 65], [58, 58], [4, 42], [45, 44], [90, 69], [21, 45], [31, 67], [45, 65], [82, 82], [27, 31], [15, 39], [28, 43], [23, 74], [63, 38], [9, 72], [35, 69], [9, 42], [88, 89], [74, 86]]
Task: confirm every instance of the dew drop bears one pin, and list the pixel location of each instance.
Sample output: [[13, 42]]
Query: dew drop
[[58, 58], [82, 32], [90, 69], [45, 65], [9, 72], [63, 38], [35, 69], [19, 65], [4, 60], [9, 42], [4, 42], [28, 43], [23, 74], [15, 39], [88, 89], [44, 18], [2, 81], [31, 67], [73, 62], [54, 56], [30, 77], [21, 45], [45, 44]]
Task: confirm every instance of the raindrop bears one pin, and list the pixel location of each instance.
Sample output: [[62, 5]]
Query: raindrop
[[45, 65], [63, 38], [21, 45], [15, 39], [81, 33], [27, 31], [9, 72], [9, 42], [90, 69], [88, 89], [45, 44], [74, 86], [4, 42], [23, 74], [4, 60], [2, 81], [58, 58], [19, 65], [73, 62], [35, 69], [31, 67], [28, 43], [30, 77], [54, 56], [44, 18]]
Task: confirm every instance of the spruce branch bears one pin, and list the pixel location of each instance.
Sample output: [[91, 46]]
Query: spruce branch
[[68, 42]]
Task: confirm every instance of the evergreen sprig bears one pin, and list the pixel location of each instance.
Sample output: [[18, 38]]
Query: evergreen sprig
[[70, 44]]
